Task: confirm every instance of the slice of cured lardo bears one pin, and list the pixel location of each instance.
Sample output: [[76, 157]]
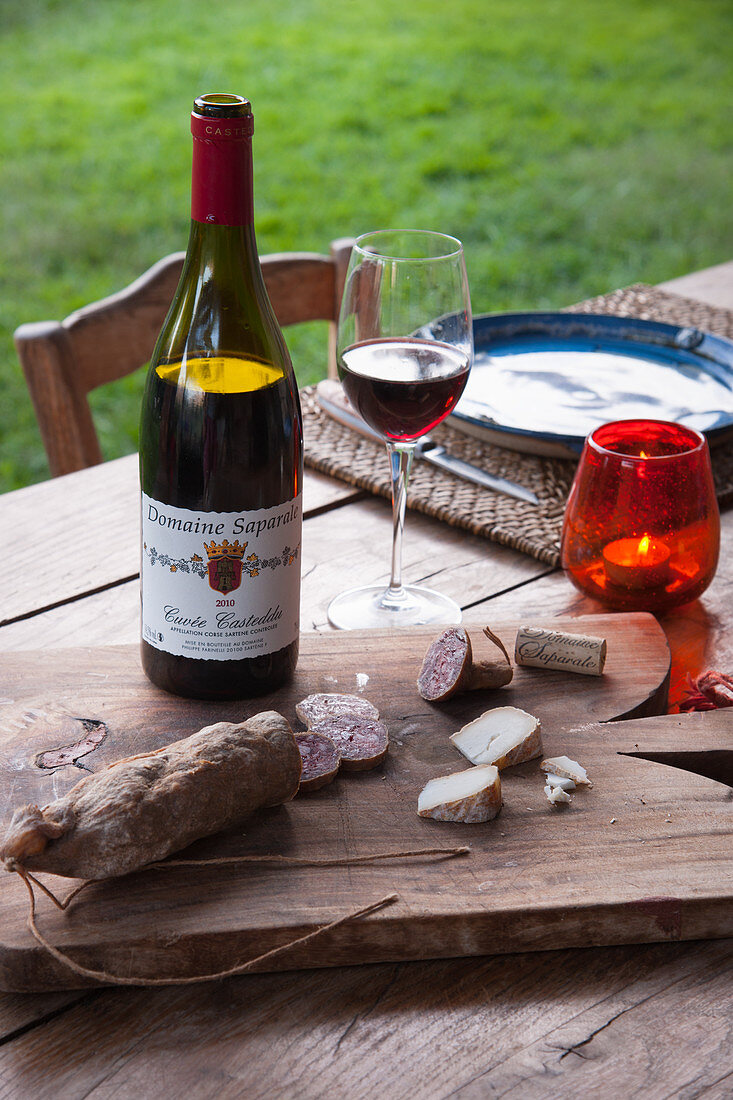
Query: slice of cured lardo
[[502, 736], [470, 796]]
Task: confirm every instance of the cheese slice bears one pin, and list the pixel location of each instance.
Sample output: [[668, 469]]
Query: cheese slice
[[502, 736], [469, 796]]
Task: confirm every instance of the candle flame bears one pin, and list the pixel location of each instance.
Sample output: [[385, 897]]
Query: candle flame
[[643, 454], [643, 546]]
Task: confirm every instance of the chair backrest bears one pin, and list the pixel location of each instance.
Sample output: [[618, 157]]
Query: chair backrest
[[63, 360]]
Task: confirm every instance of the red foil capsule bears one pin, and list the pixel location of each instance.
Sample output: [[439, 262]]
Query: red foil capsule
[[642, 528], [222, 164]]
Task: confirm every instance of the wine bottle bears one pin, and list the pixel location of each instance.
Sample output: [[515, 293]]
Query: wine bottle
[[221, 447]]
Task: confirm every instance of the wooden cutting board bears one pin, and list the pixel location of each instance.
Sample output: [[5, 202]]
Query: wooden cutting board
[[644, 855]]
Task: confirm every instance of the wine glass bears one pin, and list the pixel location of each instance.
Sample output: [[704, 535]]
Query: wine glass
[[405, 347]]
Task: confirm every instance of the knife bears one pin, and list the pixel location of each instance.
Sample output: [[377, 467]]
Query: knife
[[332, 399]]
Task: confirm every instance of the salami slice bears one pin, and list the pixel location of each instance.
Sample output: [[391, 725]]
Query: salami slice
[[362, 742], [321, 706], [444, 669], [320, 758]]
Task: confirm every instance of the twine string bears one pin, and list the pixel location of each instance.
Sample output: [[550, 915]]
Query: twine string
[[240, 968], [290, 861], [30, 880]]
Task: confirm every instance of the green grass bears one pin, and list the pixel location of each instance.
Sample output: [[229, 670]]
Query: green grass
[[573, 146]]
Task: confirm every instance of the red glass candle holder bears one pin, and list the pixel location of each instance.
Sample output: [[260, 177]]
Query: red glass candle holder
[[642, 528]]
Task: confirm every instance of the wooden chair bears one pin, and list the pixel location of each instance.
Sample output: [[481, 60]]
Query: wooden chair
[[63, 361]]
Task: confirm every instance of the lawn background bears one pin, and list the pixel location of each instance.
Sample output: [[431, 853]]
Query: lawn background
[[574, 145]]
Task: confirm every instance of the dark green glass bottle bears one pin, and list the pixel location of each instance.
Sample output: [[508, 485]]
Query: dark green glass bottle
[[221, 447]]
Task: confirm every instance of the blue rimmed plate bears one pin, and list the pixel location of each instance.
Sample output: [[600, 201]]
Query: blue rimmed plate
[[542, 381]]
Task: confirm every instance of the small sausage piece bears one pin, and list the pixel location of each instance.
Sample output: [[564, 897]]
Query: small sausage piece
[[320, 758], [362, 742], [450, 666]]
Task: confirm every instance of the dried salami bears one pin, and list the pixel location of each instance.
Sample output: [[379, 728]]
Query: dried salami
[[362, 742], [142, 808], [320, 758], [323, 705]]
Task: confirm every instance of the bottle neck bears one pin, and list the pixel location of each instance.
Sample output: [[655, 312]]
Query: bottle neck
[[221, 177], [226, 254]]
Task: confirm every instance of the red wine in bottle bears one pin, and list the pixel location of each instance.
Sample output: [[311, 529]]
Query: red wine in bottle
[[221, 448]]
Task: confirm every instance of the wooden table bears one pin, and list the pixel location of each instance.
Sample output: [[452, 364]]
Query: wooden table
[[655, 1020]]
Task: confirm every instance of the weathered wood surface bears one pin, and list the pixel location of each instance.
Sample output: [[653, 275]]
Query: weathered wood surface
[[714, 285], [504, 893], [615, 1022], [653, 1021], [657, 1018], [337, 554], [645, 855], [80, 534]]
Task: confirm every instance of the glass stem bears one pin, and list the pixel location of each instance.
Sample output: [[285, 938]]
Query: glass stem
[[400, 462]]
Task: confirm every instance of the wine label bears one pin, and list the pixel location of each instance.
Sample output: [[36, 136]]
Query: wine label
[[220, 586]]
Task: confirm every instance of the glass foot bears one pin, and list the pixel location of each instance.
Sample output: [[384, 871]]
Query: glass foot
[[374, 606]]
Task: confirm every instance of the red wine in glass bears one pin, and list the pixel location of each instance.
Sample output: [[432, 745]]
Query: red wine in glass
[[405, 345], [403, 387]]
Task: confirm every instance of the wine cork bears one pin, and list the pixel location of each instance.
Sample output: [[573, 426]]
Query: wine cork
[[540, 648]]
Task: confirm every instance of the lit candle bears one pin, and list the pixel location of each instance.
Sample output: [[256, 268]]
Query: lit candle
[[637, 562]]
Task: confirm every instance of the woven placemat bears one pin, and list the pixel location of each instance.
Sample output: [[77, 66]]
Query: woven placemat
[[532, 529]]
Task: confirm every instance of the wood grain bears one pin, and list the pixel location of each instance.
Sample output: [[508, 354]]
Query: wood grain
[[713, 285], [501, 895], [356, 551], [75, 535], [613, 1022], [109, 617], [20, 1012], [699, 633], [341, 549], [618, 1022]]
